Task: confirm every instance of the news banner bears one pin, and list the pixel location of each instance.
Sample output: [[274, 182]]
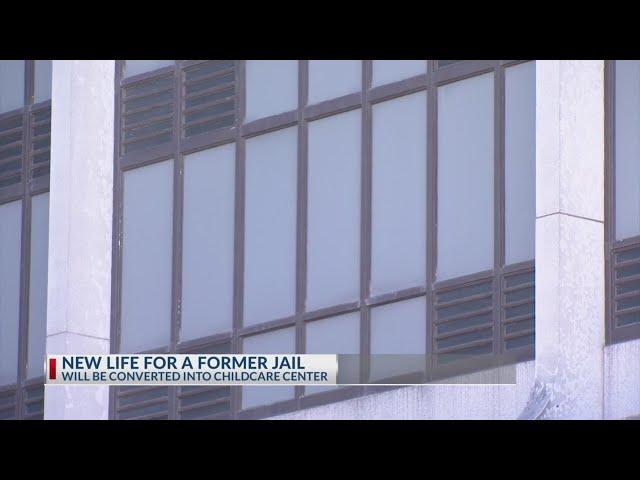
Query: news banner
[[192, 369]]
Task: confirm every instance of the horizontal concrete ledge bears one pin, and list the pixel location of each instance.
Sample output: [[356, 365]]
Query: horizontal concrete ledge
[[432, 402]]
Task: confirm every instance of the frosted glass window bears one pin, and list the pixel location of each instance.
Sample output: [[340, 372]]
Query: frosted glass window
[[388, 71], [399, 194], [146, 257], [278, 341], [38, 284], [272, 87], [135, 67], [336, 335], [627, 148], [10, 234], [270, 226], [520, 162], [207, 248], [333, 235], [333, 78], [465, 177], [42, 85], [11, 85], [398, 328]]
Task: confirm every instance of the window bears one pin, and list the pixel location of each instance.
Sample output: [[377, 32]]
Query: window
[[208, 229], [399, 194], [272, 87], [333, 210], [388, 71], [136, 67], [622, 218], [146, 257], [347, 207], [465, 177], [270, 226], [25, 126], [330, 79]]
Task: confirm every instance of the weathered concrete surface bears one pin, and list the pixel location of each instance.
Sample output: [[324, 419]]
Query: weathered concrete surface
[[622, 380], [570, 236], [80, 220], [432, 402]]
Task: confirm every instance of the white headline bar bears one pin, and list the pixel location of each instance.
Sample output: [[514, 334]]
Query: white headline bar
[[191, 369]]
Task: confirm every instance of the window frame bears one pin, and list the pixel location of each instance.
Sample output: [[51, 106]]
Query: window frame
[[612, 246], [28, 187], [364, 100]]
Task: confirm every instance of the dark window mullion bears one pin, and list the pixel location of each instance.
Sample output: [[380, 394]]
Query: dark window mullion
[[365, 222], [238, 269], [432, 163], [499, 206], [301, 219]]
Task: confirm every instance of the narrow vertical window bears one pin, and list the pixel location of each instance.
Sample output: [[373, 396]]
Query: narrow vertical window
[[270, 226], [38, 284], [42, 84], [207, 249], [147, 257], [333, 242], [465, 177], [399, 194], [10, 238], [520, 162], [627, 148]]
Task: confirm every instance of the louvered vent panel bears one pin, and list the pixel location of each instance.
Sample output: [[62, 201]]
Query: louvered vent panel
[[8, 404], [11, 144], [33, 399], [626, 271], [209, 97], [464, 321], [147, 113], [40, 142], [204, 403], [142, 403], [518, 324], [444, 63]]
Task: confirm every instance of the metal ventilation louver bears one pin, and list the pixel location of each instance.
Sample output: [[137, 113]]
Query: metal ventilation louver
[[142, 403], [40, 142], [519, 320], [204, 403], [626, 304], [33, 400], [147, 113], [8, 404], [11, 145], [209, 97], [464, 321]]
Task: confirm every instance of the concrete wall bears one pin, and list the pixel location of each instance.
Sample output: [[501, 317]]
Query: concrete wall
[[570, 236], [622, 380], [80, 221], [433, 402]]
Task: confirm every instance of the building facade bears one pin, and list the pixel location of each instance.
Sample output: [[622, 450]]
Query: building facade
[[483, 214]]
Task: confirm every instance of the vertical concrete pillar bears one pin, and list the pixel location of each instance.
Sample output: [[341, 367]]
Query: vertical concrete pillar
[[570, 237], [80, 226]]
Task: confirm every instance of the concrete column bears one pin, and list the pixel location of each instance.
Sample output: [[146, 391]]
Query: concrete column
[[80, 226], [570, 237]]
